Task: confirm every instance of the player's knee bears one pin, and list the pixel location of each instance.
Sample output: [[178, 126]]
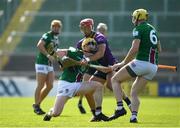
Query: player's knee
[[96, 84], [40, 86], [49, 86], [99, 85], [115, 79]]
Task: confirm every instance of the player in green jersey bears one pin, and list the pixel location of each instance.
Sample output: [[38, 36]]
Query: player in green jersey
[[140, 63], [44, 68], [69, 87]]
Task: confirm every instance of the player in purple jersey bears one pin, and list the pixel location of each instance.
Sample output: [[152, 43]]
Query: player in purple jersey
[[103, 55], [86, 27], [102, 28]]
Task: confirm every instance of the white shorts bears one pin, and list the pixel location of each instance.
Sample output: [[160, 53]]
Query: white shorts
[[143, 68], [67, 88], [40, 68]]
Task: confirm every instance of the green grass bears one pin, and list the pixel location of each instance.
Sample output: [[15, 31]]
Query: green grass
[[154, 112]]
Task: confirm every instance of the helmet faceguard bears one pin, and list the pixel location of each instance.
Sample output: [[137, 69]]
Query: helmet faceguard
[[89, 45]]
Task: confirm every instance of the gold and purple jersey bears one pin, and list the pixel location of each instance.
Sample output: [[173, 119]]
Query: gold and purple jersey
[[148, 48], [51, 45]]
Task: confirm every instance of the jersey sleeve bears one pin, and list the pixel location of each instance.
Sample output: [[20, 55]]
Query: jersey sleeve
[[136, 33], [45, 38], [101, 40]]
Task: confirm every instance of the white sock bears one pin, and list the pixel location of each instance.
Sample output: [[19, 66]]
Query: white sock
[[97, 113], [133, 117], [119, 107], [51, 112], [129, 106]]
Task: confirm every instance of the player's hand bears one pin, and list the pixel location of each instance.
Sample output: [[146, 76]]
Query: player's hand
[[51, 58], [118, 66], [84, 62], [109, 69]]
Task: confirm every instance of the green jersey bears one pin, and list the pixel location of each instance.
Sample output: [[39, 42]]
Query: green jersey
[[70, 74], [51, 45], [148, 49]]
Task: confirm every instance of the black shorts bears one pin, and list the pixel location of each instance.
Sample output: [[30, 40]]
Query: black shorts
[[99, 74]]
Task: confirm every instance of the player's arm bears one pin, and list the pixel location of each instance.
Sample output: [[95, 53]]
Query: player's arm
[[99, 54], [61, 52], [159, 46], [132, 51], [130, 55], [41, 48]]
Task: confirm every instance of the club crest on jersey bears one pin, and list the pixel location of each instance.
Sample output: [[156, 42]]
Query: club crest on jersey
[[133, 64], [135, 33]]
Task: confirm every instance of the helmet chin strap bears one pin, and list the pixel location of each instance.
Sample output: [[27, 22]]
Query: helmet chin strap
[[136, 22]]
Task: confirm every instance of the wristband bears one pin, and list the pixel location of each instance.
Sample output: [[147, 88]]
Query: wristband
[[47, 55]]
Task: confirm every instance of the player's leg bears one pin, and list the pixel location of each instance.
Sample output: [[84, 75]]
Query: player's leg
[[137, 86], [109, 86], [49, 85], [145, 71], [88, 88], [41, 78], [97, 88], [98, 96], [108, 81], [57, 109], [65, 90], [117, 79], [88, 97], [80, 106], [126, 99]]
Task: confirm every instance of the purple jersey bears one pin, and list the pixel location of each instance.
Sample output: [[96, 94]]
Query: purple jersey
[[108, 58]]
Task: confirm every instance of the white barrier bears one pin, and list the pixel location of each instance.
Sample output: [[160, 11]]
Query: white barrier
[[20, 86]]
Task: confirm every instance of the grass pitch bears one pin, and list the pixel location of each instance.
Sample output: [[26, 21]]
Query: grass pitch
[[154, 112]]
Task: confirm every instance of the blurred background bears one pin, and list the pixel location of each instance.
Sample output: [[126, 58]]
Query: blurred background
[[22, 23]]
